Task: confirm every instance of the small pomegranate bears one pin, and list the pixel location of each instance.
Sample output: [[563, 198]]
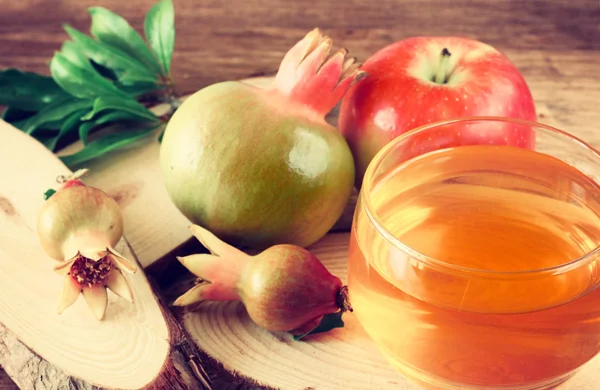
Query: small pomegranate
[[79, 226], [260, 167], [284, 288]]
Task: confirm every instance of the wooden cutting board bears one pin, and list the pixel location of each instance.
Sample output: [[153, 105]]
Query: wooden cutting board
[[138, 345], [343, 358], [146, 339]]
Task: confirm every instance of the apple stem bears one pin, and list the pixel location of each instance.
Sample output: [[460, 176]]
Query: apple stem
[[442, 75]]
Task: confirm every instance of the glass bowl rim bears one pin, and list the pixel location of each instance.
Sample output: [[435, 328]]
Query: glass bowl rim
[[376, 161]]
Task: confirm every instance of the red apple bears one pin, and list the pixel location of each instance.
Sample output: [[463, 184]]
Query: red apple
[[420, 80]]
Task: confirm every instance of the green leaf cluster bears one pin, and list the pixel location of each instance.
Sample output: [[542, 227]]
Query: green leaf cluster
[[96, 80]]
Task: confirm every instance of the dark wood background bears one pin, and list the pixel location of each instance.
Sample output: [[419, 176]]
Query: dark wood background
[[218, 40], [555, 43]]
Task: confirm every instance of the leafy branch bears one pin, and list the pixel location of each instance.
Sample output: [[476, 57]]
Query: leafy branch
[[97, 80]]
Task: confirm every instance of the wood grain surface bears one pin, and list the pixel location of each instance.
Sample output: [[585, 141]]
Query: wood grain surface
[[343, 358], [218, 40], [138, 344], [555, 43]]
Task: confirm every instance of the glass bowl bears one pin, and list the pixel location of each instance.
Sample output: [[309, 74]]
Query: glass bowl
[[475, 266]]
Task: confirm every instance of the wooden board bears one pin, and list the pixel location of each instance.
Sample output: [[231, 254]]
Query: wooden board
[[343, 358], [138, 345], [6, 383], [225, 334], [247, 356], [241, 353], [554, 42], [220, 40]]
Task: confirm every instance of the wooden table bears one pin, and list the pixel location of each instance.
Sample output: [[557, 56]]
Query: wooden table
[[555, 43]]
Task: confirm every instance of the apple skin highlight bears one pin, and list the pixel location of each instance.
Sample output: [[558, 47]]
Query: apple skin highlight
[[421, 80]]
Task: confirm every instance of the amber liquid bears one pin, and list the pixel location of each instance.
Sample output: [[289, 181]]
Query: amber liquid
[[493, 210]]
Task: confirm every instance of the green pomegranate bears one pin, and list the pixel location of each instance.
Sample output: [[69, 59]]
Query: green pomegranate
[[260, 167]]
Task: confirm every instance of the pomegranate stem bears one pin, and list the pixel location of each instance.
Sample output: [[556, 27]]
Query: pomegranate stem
[[343, 300]]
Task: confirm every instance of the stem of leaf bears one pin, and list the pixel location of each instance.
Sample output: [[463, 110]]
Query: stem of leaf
[[171, 97]]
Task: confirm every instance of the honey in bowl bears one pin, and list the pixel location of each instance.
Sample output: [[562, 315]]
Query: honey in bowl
[[474, 267]]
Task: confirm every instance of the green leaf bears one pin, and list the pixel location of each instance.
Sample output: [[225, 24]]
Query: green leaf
[[140, 89], [105, 72], [128, 69], [19, 124], [48, 194], [82, 82], [53, 116], [112, 30], [328, 322], [84, 131], [70, 124], [13, 115], [133, 90], [159, 28], [45, 140], [104, 145], [105, 118], [27, 91], [71, 52], [104, 103]]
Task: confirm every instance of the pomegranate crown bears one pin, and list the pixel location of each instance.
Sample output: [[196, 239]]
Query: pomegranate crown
[[310, 74]]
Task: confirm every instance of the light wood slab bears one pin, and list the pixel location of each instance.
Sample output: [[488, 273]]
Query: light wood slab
[[565, 97], [346, 358], [133, 348], [343, 358]]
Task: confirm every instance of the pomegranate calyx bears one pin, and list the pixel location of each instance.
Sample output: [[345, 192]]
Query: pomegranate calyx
[[342, 300], [96, 299], [116, 259], [91, 276], [215, 245], [117, 283], [218, 273], [310, 75], [122, 262], [69, 294], [88, 272]]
